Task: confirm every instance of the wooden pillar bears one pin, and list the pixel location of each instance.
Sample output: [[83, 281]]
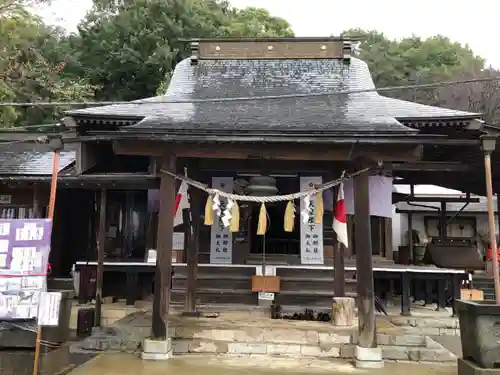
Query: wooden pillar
[[338, 270], [101, 241], [192, 252], [164, 244], [388, 238], [37, 209], [364, 270], [442, 220]]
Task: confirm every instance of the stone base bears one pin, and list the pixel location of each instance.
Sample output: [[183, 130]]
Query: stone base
[[368, 357], [466, 367], [157, 350], [343, 311]]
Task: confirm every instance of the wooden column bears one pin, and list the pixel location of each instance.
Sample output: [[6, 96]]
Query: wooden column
[[195, 197], [338, 270], [37, 209], [101, 241], [364, 270], [164, 244]]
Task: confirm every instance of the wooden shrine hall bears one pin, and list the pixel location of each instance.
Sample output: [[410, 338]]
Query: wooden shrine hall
[[260, 117]]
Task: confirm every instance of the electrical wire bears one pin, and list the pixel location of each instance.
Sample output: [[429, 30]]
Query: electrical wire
[[250, 98]]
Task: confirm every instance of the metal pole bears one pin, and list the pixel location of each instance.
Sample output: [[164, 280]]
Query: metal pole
[[52, 205], [491, 220]]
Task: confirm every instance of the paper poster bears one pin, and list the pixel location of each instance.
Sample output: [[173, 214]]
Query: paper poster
[[311, 234], [48, 313], [24, 253], [221, 241]]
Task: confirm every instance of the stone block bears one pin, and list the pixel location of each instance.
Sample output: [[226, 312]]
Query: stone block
[[291, 350], [249, 334], [368, 358], [317, 351], [347, 351], [180, 346], [203, 346], [285, 336], [433, 355], [107, 300], [156, 350], [333, 339], [215, 334], [401, 340], [246, 348], [395, 353], [466, 367]]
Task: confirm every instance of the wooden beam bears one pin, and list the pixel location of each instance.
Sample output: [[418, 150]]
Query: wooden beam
[[101, 240], [364, 270], [164, 244], [263, 151], [433, 167], [37, 208]]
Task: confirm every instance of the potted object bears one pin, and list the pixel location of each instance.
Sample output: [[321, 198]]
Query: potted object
[[480, 326]]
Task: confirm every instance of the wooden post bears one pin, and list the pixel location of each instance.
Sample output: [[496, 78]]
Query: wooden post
[[164, 244], [101, 241], [338, 270], [192, 253], [37, 212], [364, 270], [50, 215]]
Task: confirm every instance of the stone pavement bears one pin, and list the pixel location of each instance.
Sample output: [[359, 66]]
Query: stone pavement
[[131, 364]]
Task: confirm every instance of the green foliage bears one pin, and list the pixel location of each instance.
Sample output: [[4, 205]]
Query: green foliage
[[31, 58], [414, 60], [130, 48]]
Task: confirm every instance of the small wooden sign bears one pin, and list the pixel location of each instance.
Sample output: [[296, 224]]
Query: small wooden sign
[[471, 294], [268, 284]]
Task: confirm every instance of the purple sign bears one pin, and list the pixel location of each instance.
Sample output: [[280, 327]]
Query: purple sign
[[24, 254]]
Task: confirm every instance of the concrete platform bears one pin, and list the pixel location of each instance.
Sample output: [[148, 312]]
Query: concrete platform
[[469, 368], [252, 332], [130, 364]]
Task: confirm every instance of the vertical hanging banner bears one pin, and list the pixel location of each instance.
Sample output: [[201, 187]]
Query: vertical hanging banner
[[311, 234], [221, 241]]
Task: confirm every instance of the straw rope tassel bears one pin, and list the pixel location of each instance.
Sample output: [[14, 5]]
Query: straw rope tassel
[[289, 221], [235, 218], [209, 211], [319, 209], [262, 225]]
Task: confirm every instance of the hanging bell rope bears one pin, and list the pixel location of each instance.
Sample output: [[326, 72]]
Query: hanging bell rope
[[265, 199]]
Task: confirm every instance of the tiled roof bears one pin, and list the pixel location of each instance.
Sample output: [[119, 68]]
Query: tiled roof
[[25, 160], [210, 79]]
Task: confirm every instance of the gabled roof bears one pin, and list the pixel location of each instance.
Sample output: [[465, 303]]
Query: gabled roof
[[328, 111]]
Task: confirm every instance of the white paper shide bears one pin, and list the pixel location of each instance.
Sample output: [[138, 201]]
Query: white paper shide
[[221, 241], [311, 234]]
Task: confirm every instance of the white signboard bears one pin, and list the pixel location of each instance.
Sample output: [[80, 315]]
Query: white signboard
[[311, 234], [221, 241], [48, 312]]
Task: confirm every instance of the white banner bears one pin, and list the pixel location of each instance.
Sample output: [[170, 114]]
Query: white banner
[[221, 241], [380, 196], [311, 234]]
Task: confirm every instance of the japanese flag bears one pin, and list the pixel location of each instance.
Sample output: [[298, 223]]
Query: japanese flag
[[339, 220], [181, 203]]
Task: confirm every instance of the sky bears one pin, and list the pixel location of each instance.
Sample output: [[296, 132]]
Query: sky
[[473, 23]]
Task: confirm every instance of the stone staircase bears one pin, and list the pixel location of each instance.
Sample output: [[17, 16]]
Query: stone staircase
[[311, 288], [216, 285], [484, 283]]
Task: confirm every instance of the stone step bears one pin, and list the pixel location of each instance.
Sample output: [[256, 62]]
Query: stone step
[[312, 283], [209, 282], [215, 296], [216, 270]]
